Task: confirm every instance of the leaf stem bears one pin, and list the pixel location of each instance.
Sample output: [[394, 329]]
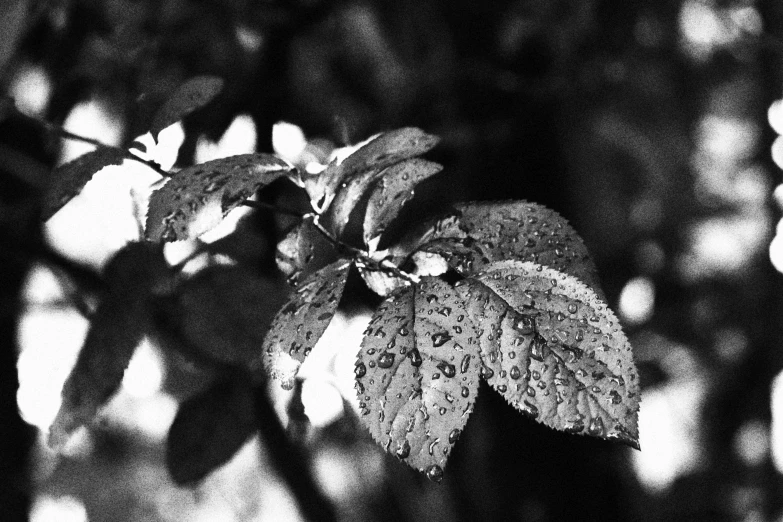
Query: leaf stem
[[274, 208]]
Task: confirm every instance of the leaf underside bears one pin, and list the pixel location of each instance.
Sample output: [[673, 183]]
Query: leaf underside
[[303, 251], [68, 180], [197, 198], [417, 374], [188, 97], [302, 320]]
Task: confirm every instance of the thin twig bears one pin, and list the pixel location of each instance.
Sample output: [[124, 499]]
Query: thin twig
[[274, 208]]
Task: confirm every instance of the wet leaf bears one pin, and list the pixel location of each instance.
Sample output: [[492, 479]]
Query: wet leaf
[[393, 190], [417, 374], [385, 150], [197, 198], [68, 180], [208, 430], [303, 251], [222, 314], [381, 281], [187, 98], [554, 350], [117, 328], [302, 320]]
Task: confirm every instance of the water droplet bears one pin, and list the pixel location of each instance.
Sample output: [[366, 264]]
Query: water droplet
[[502, 388], [525, 325], [454, 435], [515, 373], [538, 348], [447, 369], [439, 339], [381, 415], [530, 391], [415, 357], [596, 428], [445, 311], [574, 427], [560, 316], [529, 409], [403, 450], [614, 397], [435, 473], [385, 360], [404, 331], [486, 372], [463, 367], [572, 308], [595, 389], [579, 335], [432, 298]]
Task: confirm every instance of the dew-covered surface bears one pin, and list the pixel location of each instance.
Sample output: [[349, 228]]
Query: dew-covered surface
[[303, 251]]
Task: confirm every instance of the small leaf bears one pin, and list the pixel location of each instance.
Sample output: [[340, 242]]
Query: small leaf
[[188, 97], [526, 232], [197, 198], [303, 251], [68, 180], [554, 350], [385, 150], [116, 329], [222, 314], [393, 190], [417, 374], [208, 430], [380, 281], [302, 320]]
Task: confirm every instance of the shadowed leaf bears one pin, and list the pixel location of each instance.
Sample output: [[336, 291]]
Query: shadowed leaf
[[385, 150], [302, 320], [188, 97], [197, 198], [118, 326], [208, 430], [554, 350], [68, 180], [417, 374], [303, 251]]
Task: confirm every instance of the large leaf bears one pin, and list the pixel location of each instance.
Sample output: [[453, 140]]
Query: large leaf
[[554, 350], [302, 320], [516, 230], [393, 190], [385, 150], [68, 180], [197, 198], [188, 97], [418, 373], [208, 430], [303, 251], [221, 314], [116, 329]]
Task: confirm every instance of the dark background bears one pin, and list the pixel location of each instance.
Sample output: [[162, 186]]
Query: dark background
[[593, 108]]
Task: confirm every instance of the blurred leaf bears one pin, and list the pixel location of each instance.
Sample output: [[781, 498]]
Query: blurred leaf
[[197, 198], [302, 320], [223, 313], [554, 350], [385, 150], [303, 251], [190, 96], [118, 326], [68, 180], [417, 374], [208, 430], [393, 190]]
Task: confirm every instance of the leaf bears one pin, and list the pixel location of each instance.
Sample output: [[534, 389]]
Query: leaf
[[554, 350], [222, 314], [188, 97], [303, 251], [116, 329], [208, 430], [197, 198], [394, 189], [380, 281], [385, 150], [68, 180], [302, 320], [417, 374], [528, 232]]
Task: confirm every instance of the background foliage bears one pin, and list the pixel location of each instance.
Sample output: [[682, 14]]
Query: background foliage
[[643, 123]]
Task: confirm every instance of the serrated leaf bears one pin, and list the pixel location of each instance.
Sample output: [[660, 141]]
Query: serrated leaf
[[303, 251], [222, 314], [208, 430], [527, 232], [417, 374], [188, 97], [117, 328], [554, 350], [302, 320], [68, 180], [197, 198], [385, 150], [391, 193]]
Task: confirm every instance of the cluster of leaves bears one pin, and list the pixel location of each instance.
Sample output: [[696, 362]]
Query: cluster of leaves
[[504, 292]]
